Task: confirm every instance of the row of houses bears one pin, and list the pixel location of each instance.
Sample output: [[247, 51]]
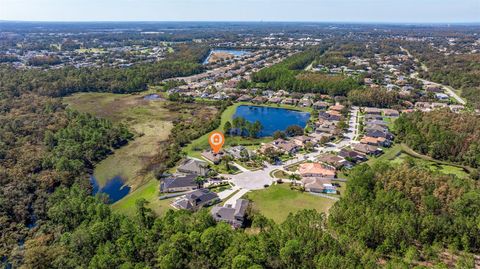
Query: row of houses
[[290, 146], [326, 127]]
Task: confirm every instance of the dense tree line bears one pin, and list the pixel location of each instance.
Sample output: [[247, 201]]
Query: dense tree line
[[442, 135], [43, 146], [395, 217], [242, 127], [64, 81], [88, 234], [287, 75], [409, 213], [84, 141], [373, 98]]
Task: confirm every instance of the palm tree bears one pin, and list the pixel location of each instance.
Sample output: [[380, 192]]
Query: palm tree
[[200, 180], [226, 160], [294, 177]]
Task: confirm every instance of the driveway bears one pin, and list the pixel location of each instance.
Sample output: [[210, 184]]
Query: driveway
[[233, 200]]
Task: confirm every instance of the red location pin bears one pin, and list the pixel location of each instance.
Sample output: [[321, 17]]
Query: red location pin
[[216, 140]]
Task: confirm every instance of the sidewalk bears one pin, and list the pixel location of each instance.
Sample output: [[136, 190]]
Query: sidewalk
[[232, 201]]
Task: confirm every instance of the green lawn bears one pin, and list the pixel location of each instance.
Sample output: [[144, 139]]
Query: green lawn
[[399, 152], [280, 174], [150, 192], [388, 155], [277, 201], [433, 166]]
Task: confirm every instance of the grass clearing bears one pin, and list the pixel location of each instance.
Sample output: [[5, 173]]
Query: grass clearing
[[399, 153], [150, 192], [433, 166], [150, 120], [277, 201], [280, 174]]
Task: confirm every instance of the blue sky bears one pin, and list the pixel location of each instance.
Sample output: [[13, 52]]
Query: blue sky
[[243, 10]]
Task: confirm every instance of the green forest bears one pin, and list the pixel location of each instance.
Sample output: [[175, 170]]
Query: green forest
[[404, 214], [285, 76], [442, 135]]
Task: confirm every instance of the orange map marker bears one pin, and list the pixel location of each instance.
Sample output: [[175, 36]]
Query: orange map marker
[[216, 140]]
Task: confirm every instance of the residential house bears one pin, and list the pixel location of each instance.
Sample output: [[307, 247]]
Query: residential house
[[379, 133], [433, 88], [439, 105], [244, 98], [335, 161], [367, 149], [193, 166], [316, 170], [195, 200], [288, 101], [236, 151], [259, 100], [179, 183], [352, 155], [302, 140], [391, 113], [305, 103], [373, 117], [337, 108], [320, 105], [288, 147], [319, 185], [235, 216], [215, 158], [372, 111], [275, 100], [329, 116], [375, 141]]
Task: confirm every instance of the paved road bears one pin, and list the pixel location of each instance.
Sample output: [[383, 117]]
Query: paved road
[[449, 90]]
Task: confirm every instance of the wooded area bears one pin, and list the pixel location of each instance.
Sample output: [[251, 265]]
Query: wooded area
[[443, 135]]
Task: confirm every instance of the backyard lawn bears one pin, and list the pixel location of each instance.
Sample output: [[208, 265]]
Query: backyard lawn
[[150, 192], [277, 201]]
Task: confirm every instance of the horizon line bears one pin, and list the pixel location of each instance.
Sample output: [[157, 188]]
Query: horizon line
[[240, 21]]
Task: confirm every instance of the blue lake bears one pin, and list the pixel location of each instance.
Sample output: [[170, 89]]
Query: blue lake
[[235, 53], [272, 118], [115, 188]]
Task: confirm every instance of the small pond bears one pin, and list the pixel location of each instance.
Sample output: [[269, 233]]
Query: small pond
[[233, 52], [272, 118], [115, 188]]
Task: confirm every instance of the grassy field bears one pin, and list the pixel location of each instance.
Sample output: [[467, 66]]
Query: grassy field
[[148, 119], [195, 148], [433, 166], [149, 192], [280, 174], [400, 152], [277, 201]]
